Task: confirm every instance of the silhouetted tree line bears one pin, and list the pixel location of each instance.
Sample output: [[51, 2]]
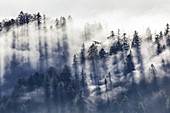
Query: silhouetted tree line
[[23, 18]]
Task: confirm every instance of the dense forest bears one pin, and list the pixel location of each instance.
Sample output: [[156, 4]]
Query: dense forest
[[50, 66]]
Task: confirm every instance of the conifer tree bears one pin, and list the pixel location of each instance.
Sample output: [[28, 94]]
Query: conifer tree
[[129, 64], [82, 55], [125, 43], [167, 29], [102, 53]]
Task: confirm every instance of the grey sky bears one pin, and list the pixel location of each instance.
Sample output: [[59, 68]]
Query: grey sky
[[121, 10], [83, 7]]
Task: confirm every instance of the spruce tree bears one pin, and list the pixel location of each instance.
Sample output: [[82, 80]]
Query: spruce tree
[[125, 43], [129, 67], [102, 53], [82, 55]]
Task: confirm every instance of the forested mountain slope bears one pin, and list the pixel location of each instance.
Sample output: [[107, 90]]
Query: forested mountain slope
[[52, 66]]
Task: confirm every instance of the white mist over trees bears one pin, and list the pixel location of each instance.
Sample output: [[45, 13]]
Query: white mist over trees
[[52, 64]]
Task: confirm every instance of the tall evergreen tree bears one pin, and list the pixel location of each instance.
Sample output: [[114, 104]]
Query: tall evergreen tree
[[38, 17], [102, 53], [21, 18], [82, 55], [125, 43], [66, 75], [136, 43], [83, 80], [136, 40], [158, 48], [167, 29], [129, 67], [75, 66], [154, 85], [93, 56], [110, 82], [148, 34], [0, 26], [105, 82]]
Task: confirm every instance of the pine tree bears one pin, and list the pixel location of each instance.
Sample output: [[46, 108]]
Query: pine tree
[[159, 48], [93, 56], [83, 81], [66, 75], [98, 90], [167, 29], [30, 83], [92, 52], [154, 84], [125, 43], [129, 64], [116, 47], [57, 23], [38, 16], [75, 66], [63, 23], [14, 40], [21, 18], [148, 34], [110, 82], [102, 53], [105, 82], [136, 41], [0, 26], [82, 55]]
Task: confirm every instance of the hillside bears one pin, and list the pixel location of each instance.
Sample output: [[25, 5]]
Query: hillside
[[52, 66]]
